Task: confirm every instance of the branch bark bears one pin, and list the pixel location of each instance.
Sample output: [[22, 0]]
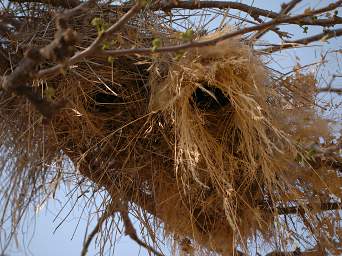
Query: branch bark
[[330, 90], [326, 35], [54, 3], [60, 49], [254, 12], [131, 232], [297, 209]]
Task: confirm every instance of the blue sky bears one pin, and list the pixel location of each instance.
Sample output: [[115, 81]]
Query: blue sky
[[39, 238]]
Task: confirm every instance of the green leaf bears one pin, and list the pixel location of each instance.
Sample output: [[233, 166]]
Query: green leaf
[[179, 55], [100, 25], [96, 22], [49, 93], [143, 2], [110, 59], [156, 43], [305, 30], [106, 45], [187, 35], [311, 153]]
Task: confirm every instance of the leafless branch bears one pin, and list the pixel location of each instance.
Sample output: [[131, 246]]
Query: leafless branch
[[297, 209], [55, 3], [58, 50], [131, 232], [203, 43], [24, 72], [328, 34], [285, 9], [252, 11], [330, 90], [94, 47], [106, 214]]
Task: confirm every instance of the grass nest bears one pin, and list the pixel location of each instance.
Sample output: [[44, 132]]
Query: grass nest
[[207, 143]]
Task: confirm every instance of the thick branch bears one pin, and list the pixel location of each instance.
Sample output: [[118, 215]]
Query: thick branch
[[95, 46], [193, 5], [55, 3], [93, 49], [252, 11], [61, 48], [203, 43], [285, 9]]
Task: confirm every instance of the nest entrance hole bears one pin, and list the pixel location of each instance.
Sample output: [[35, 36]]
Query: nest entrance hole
[[103, 102], [209, 98]]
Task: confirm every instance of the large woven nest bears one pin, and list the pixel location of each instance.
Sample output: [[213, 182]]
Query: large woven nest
[[206, 143]]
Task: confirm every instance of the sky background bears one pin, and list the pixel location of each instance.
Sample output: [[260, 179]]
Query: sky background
[[39, 237]]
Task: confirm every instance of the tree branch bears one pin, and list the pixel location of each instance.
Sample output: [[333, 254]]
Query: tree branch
[[203, 43], [304, 41], [60, 49], [95, 50], [54, 3], [285, 9], [330, 90], [94, 47], [109, 211], [254, 12], [297, 209], [131, 232]]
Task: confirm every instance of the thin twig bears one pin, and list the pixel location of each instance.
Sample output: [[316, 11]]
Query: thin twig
[[198, 44], [304, 41], [131, 232], [55, 3], [330, 90], [109, 211], [285, 9], [297, 209], [94, 51], [94, 47], [254, 12]]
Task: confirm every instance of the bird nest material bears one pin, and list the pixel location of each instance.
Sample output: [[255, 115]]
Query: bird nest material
[[206, 143]]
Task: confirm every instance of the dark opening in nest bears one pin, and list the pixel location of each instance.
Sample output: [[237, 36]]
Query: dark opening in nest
[[103, 101], [209, 98]]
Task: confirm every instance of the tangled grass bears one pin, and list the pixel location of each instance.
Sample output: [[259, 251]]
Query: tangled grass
[[204, 145]]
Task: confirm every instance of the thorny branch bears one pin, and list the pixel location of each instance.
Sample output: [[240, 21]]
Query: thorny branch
[[330, 89], [167, 6], [61, 48], [25, 72], [297, 209], [92, 50], [61, 51]]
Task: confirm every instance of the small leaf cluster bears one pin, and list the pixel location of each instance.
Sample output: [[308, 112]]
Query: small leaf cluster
[[100, 25]]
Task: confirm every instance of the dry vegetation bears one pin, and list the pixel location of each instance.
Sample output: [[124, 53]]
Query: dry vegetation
[[193, 135]]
